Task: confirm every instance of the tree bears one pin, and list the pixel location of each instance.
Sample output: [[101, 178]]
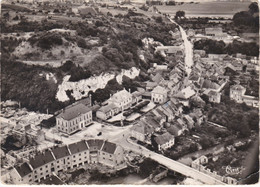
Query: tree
[[159, 19], [82, 43], [179, 14], [56, 11], [109, 14], [253, 8]]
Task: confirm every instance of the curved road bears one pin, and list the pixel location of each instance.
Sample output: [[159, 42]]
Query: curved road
[[123, 140]]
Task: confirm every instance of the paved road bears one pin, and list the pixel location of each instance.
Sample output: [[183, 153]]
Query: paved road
[[188, 48], [123, 140]]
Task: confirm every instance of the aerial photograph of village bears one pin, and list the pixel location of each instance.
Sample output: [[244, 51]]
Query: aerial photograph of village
[[134, 92]]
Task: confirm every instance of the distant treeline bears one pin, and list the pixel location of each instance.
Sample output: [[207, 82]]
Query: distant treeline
[[219, 47]]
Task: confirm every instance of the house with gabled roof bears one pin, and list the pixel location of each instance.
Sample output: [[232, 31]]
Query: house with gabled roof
[[214, 96], [159, 94], [185, 94], [250, 100], [176, 130], [152, 122], [74, 118], [43, 165], [189, 121], [111, 154], [208, 84], [142, 132], [21, 173], [150, 85], [159, 113], [122, 99], [164, 141], [107, 111], [80, 153], [157, 78], [94, 145], [169, 111], [137, 96], [62, 157], [118, 102], [236, 93], [194, 77], [170, 49]]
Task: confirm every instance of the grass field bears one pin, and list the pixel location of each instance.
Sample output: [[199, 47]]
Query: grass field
[[207, 9]]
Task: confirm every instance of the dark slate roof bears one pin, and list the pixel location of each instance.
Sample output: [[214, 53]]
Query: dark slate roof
[[95, 143], [74, 111], [23, 169], [109, 147], [52, 180], [164, 138], [41, 159], [78, 147], [152, 122], [60, 152], [174, 129], [209, 85]]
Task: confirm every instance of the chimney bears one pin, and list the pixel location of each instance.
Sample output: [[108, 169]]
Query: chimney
[[129, 90]]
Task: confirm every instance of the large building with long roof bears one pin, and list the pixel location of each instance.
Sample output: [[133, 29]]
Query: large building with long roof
[[59, 159], [74, 118]]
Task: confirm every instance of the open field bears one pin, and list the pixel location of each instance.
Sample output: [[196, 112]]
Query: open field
[[207, 9]]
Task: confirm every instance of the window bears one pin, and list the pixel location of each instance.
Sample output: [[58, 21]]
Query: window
[[58, 161], [46, 166], [40, 169], [74, 156], [79, 154], [29, 175], [47, 171], [41, 174], [58, 166], [79, 159]]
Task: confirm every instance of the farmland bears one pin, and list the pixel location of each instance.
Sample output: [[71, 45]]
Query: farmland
[[204, 9]]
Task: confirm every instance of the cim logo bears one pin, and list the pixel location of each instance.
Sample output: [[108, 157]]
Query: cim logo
[[233, 170]]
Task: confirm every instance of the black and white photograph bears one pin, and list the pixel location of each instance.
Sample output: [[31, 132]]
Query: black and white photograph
[[129, 92]]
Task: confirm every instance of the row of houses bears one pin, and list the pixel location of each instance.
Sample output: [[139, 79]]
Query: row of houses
[[199, 165], [124, 100], [165, 122], [59, 159]]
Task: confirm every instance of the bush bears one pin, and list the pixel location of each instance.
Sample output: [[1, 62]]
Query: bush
[[46, 41], [48, 123]]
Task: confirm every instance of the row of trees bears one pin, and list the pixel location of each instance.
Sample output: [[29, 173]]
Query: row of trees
[[248, 18], [219, 47]]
